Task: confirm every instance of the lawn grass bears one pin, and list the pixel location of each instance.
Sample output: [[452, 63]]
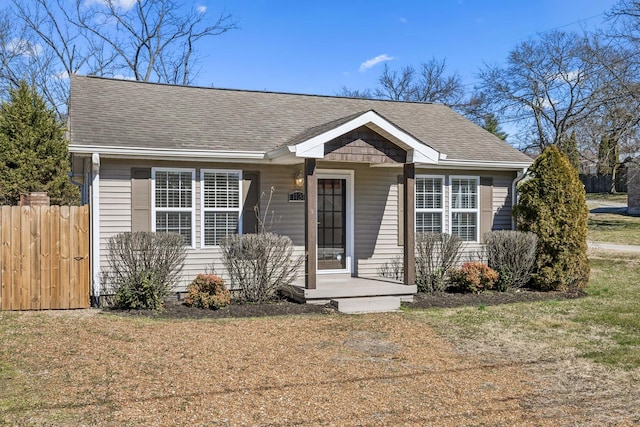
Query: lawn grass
[[607, 197], [614, 228], [603, 327]]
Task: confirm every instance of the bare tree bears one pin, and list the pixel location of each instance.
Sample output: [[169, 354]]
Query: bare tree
[[148, 40], [430, 83], [612, 130], [549, 86]]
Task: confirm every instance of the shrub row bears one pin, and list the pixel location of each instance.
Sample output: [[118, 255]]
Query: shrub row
[[144, 267], [509, 254]]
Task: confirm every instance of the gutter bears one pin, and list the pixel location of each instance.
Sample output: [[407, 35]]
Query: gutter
[[482, 164], [166, 153], [95, 228], [514, 193]]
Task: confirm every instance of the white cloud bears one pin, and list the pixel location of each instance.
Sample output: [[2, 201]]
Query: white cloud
[[374, 61], [119, 4], [201, 9], [403, 20], [24, 47], [62, 75]]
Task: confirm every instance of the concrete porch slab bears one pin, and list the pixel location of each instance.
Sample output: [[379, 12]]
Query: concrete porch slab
[[340, 286]]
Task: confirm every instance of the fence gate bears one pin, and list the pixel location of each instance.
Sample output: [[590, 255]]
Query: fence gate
[[44, 258]]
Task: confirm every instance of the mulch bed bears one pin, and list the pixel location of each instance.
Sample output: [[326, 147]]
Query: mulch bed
[[451, 300], [177, 310]]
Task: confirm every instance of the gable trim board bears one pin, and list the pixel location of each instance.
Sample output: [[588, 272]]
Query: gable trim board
[[266, 138], [417, 152]]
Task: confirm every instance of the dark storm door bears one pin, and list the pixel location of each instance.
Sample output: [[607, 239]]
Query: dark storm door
[[332, 224]]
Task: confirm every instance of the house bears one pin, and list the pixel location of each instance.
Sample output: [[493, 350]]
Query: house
[[353, 179]]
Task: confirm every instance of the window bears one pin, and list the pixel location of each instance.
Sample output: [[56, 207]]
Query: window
[[429, 204], [221, 205], [173, 201], [464, 207]]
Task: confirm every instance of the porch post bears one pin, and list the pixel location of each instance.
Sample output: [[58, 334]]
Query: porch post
[[409, 224], [310, 223]]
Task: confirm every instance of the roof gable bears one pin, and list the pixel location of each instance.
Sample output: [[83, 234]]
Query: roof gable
[[314, 146]]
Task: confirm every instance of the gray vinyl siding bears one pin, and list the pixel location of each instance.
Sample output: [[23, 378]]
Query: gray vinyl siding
[[502, 202], [284, 217], [375, 209], [115, 203], [376, 218]]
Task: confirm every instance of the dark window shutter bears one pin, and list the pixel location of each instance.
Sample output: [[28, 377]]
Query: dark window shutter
[[251, 190], [486, 205], [140, 199]]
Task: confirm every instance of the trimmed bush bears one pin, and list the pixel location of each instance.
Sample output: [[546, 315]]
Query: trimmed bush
[[436, 256], [552, 205], [140, 290], [474, 277], [259, 265], [208, 291], [512, 254], [143, 268]]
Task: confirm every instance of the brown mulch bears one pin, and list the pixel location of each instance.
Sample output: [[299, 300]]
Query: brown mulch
[[177, 310]]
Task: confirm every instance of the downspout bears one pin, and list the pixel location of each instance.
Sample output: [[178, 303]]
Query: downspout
[[514, 193], [95, 228], [78, 184]]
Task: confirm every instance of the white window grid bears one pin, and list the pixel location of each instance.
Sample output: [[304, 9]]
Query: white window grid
[[464, 209], [186, 205], [430, 201], [221, 209]]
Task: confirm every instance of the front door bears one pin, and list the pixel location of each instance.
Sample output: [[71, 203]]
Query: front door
[[332, 223]]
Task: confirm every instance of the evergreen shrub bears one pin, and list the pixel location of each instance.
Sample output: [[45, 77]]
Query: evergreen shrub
[[34, 154], [474, 277], [552, 205], [208, 291]]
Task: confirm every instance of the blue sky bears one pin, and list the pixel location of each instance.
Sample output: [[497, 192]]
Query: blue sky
[[317, 47]]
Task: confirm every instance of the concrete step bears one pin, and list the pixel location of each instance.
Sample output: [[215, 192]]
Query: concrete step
[[366, 304]]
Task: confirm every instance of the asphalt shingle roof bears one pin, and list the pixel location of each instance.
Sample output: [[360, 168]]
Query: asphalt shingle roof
[[122, 113]]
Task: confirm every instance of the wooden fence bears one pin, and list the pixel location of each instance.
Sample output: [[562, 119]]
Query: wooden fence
[[44, 258], [602, 183]]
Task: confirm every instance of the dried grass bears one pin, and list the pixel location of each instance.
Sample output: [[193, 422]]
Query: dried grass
[[387, 369]]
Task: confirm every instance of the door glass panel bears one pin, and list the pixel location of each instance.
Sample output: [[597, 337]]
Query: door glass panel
[[331, 220]]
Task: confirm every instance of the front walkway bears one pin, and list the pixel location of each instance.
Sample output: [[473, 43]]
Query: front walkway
[[334, 286]]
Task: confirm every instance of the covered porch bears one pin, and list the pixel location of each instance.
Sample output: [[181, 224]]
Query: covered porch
[[353, 294], [342, 192]]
